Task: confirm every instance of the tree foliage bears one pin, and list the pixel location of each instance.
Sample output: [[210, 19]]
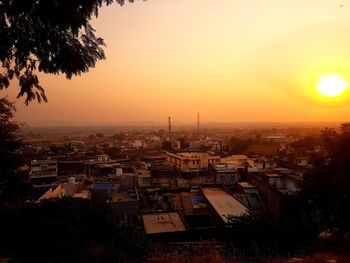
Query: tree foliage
[[238, 146], [309, 142], [167, 146], [9, 143], [325, 193], [266, 235], [68, 230], [183, 143], [47, 36], [322, 204]]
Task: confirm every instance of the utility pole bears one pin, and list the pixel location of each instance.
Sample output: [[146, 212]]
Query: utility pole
[[169, 128], [197, 121]]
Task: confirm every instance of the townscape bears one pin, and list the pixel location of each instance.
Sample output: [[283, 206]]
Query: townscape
[[174, 131], [176, 184]]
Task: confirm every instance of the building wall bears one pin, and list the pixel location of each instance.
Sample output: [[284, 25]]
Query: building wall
[[223, 174], [191, 161], [126, 210], [43, 174]]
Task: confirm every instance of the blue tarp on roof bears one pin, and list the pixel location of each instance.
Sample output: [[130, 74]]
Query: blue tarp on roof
[[104, 186]]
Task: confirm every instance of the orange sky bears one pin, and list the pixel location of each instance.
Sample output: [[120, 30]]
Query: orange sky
[[230, 60]]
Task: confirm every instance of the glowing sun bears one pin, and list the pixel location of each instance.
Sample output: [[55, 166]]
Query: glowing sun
[[331, 86]]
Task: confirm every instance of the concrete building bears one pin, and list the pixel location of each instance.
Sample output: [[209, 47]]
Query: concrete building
[[223, 173], [248, 195], [221, 206], [154, 160], [143, 178], [100, 192], [239, 161], [125, 207], [276, 186], [163, 222], [137, 144], [44, 174], [262, 163], [77, 146], [68, 189], [70, 167], [127, 181], [191, 161]]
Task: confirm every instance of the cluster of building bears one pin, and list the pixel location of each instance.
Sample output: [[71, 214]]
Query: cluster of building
[[170, 193]]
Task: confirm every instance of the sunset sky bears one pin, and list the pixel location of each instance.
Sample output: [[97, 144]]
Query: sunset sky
[[230, 60]]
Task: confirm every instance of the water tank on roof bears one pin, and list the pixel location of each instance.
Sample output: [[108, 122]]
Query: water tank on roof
[[230, 166], [118, 171], [71, 180]]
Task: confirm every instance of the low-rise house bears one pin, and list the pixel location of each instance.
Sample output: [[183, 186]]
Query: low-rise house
[[143, 178], [221, 206], [224, 173], [163, 222], [69, 189], [239, 161], [70, 167], [44, 174], [276, 185], [125, 206], [77, 146], [262, 163], [191, 161]]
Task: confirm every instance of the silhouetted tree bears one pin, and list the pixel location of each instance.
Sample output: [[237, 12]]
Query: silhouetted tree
[[47, 36], [309, 142], [238, 146], [113, 152], [265, 235], [119, 136], [325, 190], [100, 135], [9, 143], [183, 143], [68, 230], [166, 145]]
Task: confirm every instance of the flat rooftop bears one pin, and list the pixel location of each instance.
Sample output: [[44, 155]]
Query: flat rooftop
[[225, 167], [224, 204], [116, 196], [274, 175], [163, 222], [85, 194], [246, 185]]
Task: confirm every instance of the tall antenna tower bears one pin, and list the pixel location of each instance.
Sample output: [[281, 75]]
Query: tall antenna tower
[[169, 127], [197, 121]]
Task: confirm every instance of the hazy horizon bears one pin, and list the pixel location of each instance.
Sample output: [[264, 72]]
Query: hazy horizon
[[175, 125]]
